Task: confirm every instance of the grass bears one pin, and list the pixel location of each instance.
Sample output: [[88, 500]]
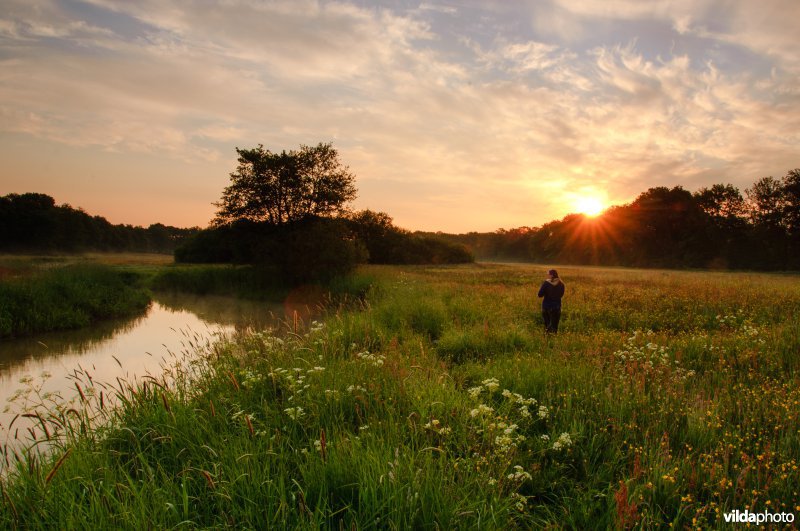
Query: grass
[[668, 398], [37, 299], [37, 261]]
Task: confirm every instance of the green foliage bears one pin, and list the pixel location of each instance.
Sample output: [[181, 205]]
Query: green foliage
[[668, 398], [481, 343], [68, 297], [418, 314]]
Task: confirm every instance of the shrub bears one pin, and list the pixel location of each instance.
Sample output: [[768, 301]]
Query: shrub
[[308, 251]]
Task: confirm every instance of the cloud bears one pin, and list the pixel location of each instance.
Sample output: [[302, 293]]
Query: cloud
[[299, 39], [766, 28], [504, 121], [26, 21]]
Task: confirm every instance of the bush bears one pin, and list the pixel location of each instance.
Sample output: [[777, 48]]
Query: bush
[[313, 250], [432, 250], [317, 250]]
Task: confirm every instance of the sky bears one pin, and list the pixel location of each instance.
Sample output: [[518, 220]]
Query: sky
[[454, 115]]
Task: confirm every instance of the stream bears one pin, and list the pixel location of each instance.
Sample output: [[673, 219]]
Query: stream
[[172, 328]]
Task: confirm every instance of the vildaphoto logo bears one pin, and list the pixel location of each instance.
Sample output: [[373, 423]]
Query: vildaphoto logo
[[765, 517]]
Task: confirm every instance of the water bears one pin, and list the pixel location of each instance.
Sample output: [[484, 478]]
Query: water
[[125, 348]]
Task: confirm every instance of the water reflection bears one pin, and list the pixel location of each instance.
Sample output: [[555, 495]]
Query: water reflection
[[237, 313], [55, 344], [129, 349]]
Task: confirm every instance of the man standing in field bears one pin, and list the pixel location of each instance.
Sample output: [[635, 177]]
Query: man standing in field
[[551, 291]]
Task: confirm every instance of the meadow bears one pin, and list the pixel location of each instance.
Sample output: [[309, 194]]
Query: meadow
[[435, 400]]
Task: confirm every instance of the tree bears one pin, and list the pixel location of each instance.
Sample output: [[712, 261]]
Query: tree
[[728, 229], [285, 187], [669, 225], [767, 202], [379, 235], [722, 201], [791, 201]]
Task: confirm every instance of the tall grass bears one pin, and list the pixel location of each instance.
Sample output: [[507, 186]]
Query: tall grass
[[666, 399], [67, 297]]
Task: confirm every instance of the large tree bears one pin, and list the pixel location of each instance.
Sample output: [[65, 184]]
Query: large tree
[[284, 187]]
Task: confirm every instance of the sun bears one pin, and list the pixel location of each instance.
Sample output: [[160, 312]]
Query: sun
[[589, 205]]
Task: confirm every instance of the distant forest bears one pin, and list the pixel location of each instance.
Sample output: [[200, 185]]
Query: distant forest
[[716, 227], [34, 223]]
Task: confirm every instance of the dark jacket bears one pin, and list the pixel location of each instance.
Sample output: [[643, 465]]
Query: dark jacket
[[552, 291]]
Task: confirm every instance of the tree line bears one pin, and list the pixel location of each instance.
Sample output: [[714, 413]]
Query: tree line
[[288, 211], [33, 222], [714, 227]]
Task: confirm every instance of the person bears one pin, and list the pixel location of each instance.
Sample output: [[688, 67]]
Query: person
[[551, 292]]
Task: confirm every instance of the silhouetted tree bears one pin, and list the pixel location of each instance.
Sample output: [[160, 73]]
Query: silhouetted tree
[[775, 213], [766, 202], [387, 244], [669, 228], [728, 230], [722, 202], [285, 187], [379, 235], [791, 201]]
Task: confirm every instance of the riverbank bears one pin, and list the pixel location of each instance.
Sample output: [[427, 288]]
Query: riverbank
[[61, 292], [65, 297]]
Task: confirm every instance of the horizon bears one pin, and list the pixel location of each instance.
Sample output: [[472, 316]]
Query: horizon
[[590, 212], [454, 117]]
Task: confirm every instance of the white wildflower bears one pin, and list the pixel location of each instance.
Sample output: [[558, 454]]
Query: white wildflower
[[474, 392], [482, 409], [491, 384], [564, 441], [294, 412], [519, 474]]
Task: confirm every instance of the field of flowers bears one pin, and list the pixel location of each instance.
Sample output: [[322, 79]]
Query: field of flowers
[[667, 398]]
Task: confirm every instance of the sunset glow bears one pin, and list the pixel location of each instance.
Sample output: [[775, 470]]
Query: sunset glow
[[454, 116]]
